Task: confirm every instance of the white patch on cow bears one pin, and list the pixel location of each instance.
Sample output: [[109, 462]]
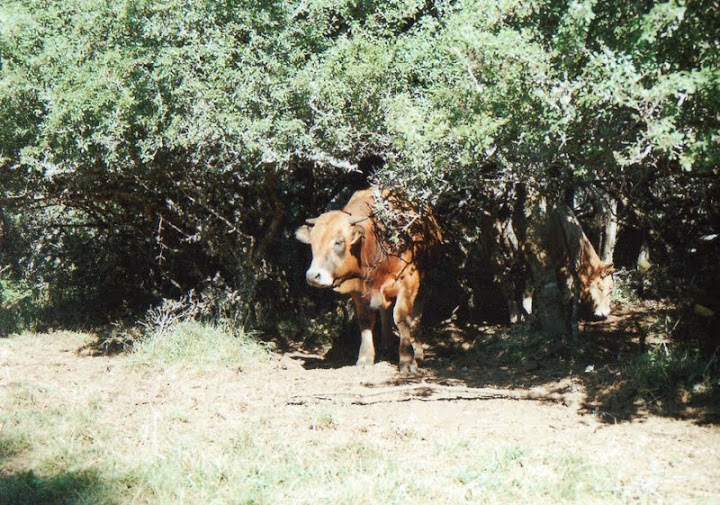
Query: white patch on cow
[[602, 310], [599, 292], [366, 355], [377, 300], [602, 313], [601, 302], [527, 304]]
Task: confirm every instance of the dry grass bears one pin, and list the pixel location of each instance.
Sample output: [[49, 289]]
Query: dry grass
[[221, 429]]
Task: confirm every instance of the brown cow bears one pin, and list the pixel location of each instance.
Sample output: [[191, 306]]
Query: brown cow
[[566, 272], [352, 255], [594, 276], [530, 245]]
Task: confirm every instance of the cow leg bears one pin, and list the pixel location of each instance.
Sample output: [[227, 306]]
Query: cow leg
[[366, 320], [527, 300], [386, 341], [507, 288], [516, 314], [415, 326], [570, 298], [403, 315], [574, 308]]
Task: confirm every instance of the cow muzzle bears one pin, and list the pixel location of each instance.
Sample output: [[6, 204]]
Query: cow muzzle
[[319, 278], [601, 313]]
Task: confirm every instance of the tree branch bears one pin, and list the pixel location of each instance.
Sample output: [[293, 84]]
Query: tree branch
[[430, 392]]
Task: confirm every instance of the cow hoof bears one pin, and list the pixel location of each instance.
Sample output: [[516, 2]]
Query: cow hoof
[[364, 362], [418, 351], [408, 368]]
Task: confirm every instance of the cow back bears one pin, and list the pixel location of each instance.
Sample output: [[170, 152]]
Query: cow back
[[412, 236]]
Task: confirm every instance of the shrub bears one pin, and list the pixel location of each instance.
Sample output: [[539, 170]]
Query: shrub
[[183, 331], [18, 305], [664, 373]]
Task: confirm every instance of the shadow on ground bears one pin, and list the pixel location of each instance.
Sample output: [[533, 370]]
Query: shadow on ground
[[25, 487], [629, 367]]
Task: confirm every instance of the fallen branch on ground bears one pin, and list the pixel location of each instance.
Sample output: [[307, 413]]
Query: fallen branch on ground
[[430, 392]]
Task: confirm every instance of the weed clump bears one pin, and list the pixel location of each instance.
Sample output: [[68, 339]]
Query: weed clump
[[192, 330], [662, 372]]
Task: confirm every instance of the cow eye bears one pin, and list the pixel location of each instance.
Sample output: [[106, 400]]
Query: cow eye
[[339, 246]]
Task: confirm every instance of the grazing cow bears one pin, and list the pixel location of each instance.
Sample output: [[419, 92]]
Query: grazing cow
[[567, 274], [352, 254], [594, 276]]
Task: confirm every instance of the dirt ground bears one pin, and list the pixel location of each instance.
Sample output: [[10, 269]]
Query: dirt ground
[[661, 458]]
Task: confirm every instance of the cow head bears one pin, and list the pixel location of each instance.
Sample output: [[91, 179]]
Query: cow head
[[334, 238], [598, 289]]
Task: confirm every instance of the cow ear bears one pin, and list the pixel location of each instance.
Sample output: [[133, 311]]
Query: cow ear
[[358, 232], [303, 234]]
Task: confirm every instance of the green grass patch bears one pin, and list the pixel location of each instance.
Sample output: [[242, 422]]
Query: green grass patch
[[176, 437], [63, 452], [521, 344], [200, 344], [250, 465], [663, 371], [13, 445]]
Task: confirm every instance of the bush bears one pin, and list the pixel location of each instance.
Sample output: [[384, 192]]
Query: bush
[[19, 309], [180, 332], [663, 373]]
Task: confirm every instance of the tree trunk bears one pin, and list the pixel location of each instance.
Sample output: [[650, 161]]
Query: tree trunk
[[507, 263], [503, 232], [610, 230], [554, 303]]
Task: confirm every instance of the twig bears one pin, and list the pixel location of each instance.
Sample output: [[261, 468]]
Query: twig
[[425, 392], [713, 359]]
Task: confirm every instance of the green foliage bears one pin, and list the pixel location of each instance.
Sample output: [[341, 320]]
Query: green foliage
[[19, 305], [665, 374], [10, 296]]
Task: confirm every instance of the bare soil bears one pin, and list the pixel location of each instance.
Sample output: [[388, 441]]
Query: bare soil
[[661, 456]]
